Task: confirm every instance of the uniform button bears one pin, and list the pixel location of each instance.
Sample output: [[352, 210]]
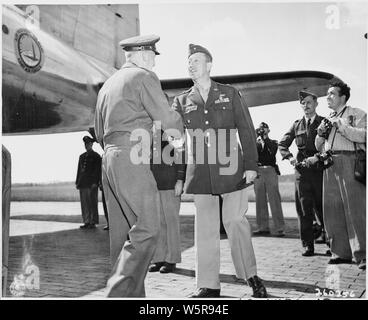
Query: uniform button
[[206, 122], [188, 121], [223, 108], [206, 111]]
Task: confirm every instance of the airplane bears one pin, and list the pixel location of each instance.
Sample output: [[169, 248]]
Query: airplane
[[56, 58]]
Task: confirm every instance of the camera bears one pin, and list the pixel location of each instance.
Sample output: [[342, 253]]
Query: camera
[[322, 160], [325, 159], [260, 132], [324, 128]]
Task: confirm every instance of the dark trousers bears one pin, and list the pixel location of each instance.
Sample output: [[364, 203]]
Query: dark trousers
[[308, 201], [104, 206], [88, 198]]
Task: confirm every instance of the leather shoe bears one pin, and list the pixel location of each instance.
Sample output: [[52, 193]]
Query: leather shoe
[[85, 226], [280, 234], [155, 267], [309, 251], [322, 239], [362, 264], [259, 290], [338, 260], [261, 232], [167, 267], [206, 293], [328, 253], [106, 227]]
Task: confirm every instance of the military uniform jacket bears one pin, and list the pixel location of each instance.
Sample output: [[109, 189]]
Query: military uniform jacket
[[220, 120], [131, 99], [303, 140], [89, 170]]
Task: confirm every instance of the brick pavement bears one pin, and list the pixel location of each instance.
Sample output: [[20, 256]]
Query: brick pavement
[[74, 263]]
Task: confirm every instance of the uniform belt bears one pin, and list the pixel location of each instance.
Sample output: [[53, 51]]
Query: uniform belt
[[347, 152], [118, 139], [264, 167]]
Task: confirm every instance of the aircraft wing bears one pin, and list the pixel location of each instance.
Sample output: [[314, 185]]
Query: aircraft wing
[[260, 89]]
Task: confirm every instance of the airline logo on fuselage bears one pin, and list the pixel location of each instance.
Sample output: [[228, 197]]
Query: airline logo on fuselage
[[28, 50]]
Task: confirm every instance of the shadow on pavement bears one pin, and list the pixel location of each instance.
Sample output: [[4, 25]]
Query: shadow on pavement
[[72, 263]]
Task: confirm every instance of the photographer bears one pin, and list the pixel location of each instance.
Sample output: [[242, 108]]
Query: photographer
[[267, 185], [308, 175], [344, 198]]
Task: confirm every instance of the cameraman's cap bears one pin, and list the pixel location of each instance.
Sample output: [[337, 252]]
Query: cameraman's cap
[[140, 43], [305, 93], [263, 125], [195, 48], [87, 139]]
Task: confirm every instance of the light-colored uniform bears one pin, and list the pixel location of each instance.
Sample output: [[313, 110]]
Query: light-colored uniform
[[223, 112], [131, 99], [344, 198]]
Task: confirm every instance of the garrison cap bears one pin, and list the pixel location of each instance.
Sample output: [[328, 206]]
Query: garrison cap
[[140, 43], [88, 139], [194, 48], [305, 93]]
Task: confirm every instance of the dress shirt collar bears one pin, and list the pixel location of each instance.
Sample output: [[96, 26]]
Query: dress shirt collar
[[311, 119]]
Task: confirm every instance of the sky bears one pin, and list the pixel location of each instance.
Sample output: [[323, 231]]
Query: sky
[[243, 38]]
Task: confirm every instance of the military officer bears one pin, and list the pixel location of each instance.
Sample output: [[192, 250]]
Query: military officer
[[170, 177], [87, 182], [308, 180], [127, 105], [213, 114]]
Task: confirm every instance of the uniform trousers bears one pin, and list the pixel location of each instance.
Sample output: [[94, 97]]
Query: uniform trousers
[[207, 237], [168, 247], [133, 204], [308, 202], [344, 209], [89, 202], [6, 192], [267, 186]]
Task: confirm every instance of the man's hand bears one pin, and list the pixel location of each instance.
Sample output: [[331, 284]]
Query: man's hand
[[310, 161], [336, 122], [250, 175], [292, 161], [177, 143], [178, 188]]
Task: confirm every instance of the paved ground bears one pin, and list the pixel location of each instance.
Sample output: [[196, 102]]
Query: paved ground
[[72, 263]]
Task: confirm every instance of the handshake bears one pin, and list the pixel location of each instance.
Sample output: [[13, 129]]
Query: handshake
[[322, 160], [324, 128]]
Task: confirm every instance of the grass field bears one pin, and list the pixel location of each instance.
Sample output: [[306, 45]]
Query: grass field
[[66, 191]]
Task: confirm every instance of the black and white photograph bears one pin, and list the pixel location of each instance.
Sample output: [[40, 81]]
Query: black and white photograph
[[204, 151]]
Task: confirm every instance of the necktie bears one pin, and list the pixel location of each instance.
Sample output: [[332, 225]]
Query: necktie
[[308, 125]]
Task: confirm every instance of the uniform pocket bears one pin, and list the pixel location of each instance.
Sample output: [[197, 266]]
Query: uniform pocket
[[300, 139], [223, 115]]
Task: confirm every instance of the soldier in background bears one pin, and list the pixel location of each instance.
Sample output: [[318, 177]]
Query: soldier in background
[[266, 186], [87, 182], [308, 180], [170, 177]]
